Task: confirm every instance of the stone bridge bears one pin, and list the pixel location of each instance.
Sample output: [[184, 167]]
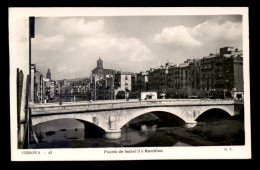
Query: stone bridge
[[114, 114]]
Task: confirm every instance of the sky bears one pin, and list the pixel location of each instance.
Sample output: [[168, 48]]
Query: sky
[[70, 46]]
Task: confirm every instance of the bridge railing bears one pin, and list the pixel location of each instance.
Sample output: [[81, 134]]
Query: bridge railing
[[110, 105]]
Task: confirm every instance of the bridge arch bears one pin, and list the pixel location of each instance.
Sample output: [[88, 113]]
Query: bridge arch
[[188, 114], [138, 112], [78, 117], [204, 110], [213, 113], [165, 118], [90, 129]]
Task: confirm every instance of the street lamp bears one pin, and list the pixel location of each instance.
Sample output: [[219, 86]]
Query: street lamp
[[189, 93], [214, 90], [225, 90], [95, 86], [208, 93], [60, 99]]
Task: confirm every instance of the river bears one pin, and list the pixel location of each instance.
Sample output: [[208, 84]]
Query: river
[[69, 131]]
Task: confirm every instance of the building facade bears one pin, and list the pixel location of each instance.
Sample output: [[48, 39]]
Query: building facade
[[122, 85], [134, 82], [142, 81], [43, 89], [213, 74]]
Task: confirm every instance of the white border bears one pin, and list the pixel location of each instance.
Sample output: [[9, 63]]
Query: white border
[[209, 152]]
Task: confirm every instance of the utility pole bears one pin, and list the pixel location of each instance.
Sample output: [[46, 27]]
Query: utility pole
[[95, 88], [31, 35]]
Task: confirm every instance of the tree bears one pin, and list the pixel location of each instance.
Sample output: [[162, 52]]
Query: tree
[[195, 92]]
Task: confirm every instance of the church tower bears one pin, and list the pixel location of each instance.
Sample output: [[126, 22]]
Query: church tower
[[48, 75], [99, 64]]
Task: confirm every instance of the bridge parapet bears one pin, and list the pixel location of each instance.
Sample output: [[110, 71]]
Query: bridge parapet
[[115, 105], [112, 115]]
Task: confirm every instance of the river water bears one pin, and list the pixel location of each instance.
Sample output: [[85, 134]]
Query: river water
[[70, 130]]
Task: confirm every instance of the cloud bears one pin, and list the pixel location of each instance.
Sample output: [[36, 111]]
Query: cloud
[[71, 46], [78, 27], [117, 51], [77, 55], [47, 43], [117, 46], [209, 31], [179, 35]]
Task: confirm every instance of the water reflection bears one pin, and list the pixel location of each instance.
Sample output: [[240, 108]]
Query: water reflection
[[129, 136], [189, 125], [181, 144], [61, 135], [145, 128]]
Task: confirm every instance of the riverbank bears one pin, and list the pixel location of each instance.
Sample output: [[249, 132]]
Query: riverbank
[[220, 132], [214, 133], [156, 140]]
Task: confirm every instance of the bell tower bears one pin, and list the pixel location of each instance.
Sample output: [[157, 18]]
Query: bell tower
[[48, 74], [99, 64]]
